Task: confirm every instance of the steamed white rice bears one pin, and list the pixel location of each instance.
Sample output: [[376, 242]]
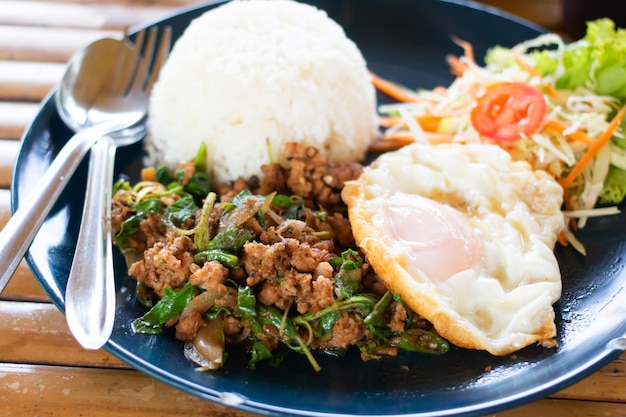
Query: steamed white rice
[[249, 73]]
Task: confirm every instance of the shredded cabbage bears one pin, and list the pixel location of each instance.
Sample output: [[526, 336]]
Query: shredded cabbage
[[596, 62]]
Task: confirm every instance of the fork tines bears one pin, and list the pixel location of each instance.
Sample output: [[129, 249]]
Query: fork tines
[[147, 64]]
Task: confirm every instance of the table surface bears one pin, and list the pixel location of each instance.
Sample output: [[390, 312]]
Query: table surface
[[43, 370]]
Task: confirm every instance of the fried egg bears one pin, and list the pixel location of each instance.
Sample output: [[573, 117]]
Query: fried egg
[[466, 236]]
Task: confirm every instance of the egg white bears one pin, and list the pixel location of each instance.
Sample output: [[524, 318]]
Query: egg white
[[466, 237]]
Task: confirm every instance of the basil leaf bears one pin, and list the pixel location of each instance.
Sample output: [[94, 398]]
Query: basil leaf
[[178, 213], [419, 340], [376, 316], [246, 303], [240, 199], [164, 175], [200, 184], [348, 279], [199, 161], [214, 312], [168, 307], [225, 258], [282, 201], [151, 205], [259, 352], [130, 226], [231, 239], [326, 323], [270, 316]]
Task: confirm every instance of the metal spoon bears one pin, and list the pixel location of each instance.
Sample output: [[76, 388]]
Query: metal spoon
[[17, 235]]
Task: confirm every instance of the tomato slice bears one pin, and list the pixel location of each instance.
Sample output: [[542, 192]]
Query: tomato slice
[[509, 110]]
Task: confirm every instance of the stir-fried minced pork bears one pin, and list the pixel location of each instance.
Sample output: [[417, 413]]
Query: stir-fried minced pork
[[210, 277], [166, 264], [273, 259], [187, 328]]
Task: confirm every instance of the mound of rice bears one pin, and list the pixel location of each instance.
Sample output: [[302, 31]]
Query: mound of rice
[[249, 73]]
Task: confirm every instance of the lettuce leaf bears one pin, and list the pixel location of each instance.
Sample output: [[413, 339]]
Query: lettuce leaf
[[614, 187], [595, 62]]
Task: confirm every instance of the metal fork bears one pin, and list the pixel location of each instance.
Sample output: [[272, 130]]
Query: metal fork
[[90, 292]]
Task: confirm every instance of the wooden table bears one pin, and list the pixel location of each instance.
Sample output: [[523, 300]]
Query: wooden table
[[43, 370]]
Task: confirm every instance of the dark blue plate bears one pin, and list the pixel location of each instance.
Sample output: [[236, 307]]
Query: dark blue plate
[[407, 41]]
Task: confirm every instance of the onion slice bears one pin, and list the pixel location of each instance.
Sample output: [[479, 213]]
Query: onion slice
[[207, 348]]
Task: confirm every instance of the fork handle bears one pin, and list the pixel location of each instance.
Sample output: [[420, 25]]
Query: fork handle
[[20, 230], [90, 291]]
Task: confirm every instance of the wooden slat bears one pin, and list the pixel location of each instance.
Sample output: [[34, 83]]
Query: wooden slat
[[42, 44], [160, 3], [547, 13], [37, 333], [565, 408], [53, 391], [98, 16], [8, 154], [15, 117], [24, 287], [58, 391], [28, 81], [601, 386], [5, 207]]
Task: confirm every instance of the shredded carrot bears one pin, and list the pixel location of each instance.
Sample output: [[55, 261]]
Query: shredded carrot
[[612, 104], [559, 127], [468, 49], [593, 149], [457, 67], [401, 135], [387, 144], [407, 137], [454, 109], [436, 138], [568, 206], [553, 91], [393, 90], [526, 66], [427, 122], [385, 121], [562, 239], [587, 157]]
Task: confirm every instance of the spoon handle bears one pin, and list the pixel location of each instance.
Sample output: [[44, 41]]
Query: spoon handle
[[20, 230], [90, 292]]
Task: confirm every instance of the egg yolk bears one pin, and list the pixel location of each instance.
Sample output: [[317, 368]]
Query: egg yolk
[[434, 237]]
